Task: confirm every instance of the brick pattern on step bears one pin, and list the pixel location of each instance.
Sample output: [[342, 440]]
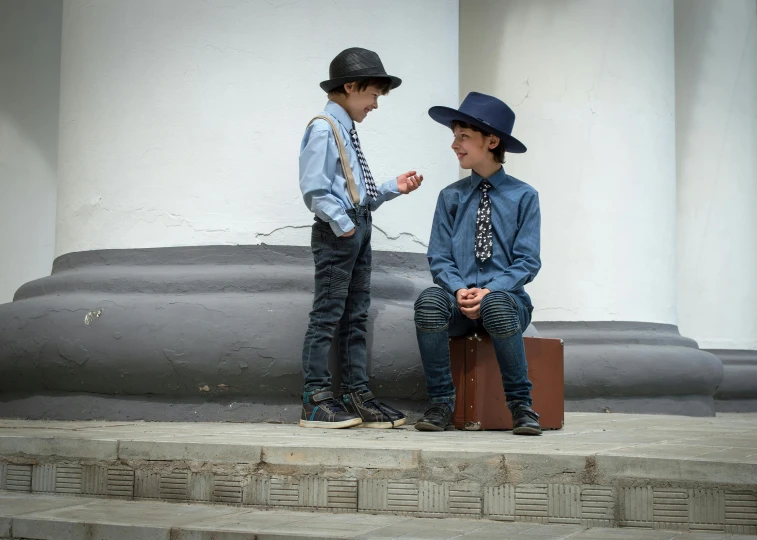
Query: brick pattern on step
[[68, 478], [342, 494], [706, 510], [43, 478], [532, 503], [598, 506], [741, 513], [227, 489], [499, 502], [174, 486], [18, 477], [120, 482], [637, 507], [676, 508], [465, 499]]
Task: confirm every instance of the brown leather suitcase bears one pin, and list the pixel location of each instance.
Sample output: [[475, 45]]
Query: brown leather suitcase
[[480, 398]]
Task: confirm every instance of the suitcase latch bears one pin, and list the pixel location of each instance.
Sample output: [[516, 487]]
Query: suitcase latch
[[472, 426]]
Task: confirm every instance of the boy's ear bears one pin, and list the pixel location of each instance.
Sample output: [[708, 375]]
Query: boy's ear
[[493, 142], [349, 87]]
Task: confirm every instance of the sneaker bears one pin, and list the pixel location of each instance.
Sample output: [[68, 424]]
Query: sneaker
[[436, 418], [374, 413], [322, 410], [525, 421]]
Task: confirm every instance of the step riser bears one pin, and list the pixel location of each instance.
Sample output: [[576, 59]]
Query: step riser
[[616, 503]]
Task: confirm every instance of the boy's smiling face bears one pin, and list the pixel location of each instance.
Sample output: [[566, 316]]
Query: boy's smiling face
[[473, 147], [360, 102]]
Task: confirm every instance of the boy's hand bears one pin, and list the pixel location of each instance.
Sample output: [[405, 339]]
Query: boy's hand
[[461, 294], [348, 234], [409, 181], [470, 301]]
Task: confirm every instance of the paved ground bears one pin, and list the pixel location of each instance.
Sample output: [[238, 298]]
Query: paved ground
[[728, 438], [73, 518]]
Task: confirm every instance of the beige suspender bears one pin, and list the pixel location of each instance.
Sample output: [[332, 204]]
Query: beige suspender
[[351, 186]]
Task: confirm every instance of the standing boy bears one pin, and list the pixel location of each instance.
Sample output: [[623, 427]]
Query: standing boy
[[339, 189], [484, 248]]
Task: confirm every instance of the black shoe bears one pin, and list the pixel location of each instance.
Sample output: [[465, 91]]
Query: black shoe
[[374, 413], [321, 410], [525, 421], [436, 418]]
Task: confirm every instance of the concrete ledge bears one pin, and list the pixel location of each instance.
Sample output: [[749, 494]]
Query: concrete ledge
[[601, 470]]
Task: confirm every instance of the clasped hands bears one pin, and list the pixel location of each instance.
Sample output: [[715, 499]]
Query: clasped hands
[[469, 301]]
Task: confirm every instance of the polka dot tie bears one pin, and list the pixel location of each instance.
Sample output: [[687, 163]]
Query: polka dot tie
[[484, 223]]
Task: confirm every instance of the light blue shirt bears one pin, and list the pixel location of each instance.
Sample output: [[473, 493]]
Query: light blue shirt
[[322, 181], [516, 233]]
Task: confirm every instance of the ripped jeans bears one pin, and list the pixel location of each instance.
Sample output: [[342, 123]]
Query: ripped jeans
[[342, 298], [503, 316]]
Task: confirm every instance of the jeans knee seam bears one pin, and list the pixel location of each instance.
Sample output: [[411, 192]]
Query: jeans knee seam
[[432, 330]]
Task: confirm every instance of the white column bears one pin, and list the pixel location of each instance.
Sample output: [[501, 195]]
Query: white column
[[716, 125], [716, 82], [181, 119], [592, 86], [592, 83], [29, 84]]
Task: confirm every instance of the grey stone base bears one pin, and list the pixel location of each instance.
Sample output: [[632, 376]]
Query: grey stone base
[[736, 405], [738, 391], [200, 326], [635, 367], [156, 409]]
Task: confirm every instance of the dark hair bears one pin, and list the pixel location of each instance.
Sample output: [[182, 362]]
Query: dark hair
[[499, 151], [384, 84]]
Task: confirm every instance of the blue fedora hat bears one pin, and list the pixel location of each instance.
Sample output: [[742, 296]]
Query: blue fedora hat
[[485, 112]]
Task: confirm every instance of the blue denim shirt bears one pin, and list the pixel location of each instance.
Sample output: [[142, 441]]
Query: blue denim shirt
[[322, 181], [516, 225]]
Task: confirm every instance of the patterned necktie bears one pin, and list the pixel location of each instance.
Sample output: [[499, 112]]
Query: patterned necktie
[[484, 223], [370, 185]]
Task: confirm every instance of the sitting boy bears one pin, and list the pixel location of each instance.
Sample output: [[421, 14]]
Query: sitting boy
[[484, 248]]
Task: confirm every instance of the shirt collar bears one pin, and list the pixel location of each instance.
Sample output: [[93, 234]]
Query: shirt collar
[[495, 180], [338, 112]]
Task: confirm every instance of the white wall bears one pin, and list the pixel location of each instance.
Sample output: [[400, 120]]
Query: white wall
[[716, 91], [592, 86], [181, 119], [29, 84]]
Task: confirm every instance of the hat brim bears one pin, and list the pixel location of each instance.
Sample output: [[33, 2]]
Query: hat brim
[[331, 84], [447, 115]]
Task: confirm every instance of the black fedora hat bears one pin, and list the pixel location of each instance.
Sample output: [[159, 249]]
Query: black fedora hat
[[356, 64], [485, 112]]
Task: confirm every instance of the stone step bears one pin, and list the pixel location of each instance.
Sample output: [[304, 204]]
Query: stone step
[[45, 517], [602, 470]]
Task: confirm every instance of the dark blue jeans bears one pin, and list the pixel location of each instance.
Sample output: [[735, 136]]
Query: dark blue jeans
[[342, 298], [503, 316]]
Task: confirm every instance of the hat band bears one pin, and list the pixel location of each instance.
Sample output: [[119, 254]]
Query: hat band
[[363, 71], [486, 123]]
